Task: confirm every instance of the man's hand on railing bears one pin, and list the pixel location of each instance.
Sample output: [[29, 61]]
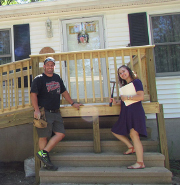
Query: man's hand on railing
[[77, 105]]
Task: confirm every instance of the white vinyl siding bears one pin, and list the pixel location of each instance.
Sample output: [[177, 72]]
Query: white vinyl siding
[[168, 90], [38, 36]]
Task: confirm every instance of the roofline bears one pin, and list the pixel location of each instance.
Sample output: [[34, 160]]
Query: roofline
[[61, 6]]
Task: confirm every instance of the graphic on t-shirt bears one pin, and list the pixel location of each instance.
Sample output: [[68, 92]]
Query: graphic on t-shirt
[[51, 86]]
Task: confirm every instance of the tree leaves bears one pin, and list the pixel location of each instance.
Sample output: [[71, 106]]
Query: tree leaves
[[10, 2]]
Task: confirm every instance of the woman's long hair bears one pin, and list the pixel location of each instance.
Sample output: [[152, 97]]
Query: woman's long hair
[[131, 74]]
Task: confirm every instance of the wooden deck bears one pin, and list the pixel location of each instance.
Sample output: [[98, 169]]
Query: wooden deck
[[15, 82]]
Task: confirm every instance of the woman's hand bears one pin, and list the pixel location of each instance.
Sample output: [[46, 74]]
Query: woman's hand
[[138, 97], [114, 101], [123, 97]]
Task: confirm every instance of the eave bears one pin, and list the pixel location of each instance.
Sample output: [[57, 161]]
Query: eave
[[64, 6]]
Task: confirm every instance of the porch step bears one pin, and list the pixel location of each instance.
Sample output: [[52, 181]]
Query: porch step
[[151, 159], [106, 146], [87, 134], [106, 175]]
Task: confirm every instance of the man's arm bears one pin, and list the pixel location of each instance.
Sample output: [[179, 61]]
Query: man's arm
[[34, 101], [68, 98]]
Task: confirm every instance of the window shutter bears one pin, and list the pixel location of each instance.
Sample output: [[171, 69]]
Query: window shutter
[[138, 29], [22, 48], [21, 41]]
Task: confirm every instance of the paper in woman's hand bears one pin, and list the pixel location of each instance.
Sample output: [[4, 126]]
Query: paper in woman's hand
[[128, 90]]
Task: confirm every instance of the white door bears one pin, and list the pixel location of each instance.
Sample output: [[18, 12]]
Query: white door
[[84, 34]]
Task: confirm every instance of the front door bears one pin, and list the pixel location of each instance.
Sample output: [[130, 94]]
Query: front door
[[84, 34]]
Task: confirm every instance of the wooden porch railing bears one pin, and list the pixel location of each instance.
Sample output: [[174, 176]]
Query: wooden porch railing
[[101, 66], [88, 76], [15, 85]]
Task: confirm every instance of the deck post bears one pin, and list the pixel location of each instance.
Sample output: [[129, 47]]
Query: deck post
[[151, 75], [153, 98], [162, 135], [35, 72], [96, 134], [35, 67], [37, 161]]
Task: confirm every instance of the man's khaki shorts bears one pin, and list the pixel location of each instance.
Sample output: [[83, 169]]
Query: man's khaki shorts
[[55, 124]]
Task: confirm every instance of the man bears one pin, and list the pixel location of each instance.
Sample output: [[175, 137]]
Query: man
[[45, 92]]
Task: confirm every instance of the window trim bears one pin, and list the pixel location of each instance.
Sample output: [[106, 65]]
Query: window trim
[[10, 44]]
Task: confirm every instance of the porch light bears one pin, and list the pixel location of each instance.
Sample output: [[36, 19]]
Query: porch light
[[49, 32]]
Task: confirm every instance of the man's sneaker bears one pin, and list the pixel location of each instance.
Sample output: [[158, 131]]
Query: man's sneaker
[[51, 168], [44, 157]]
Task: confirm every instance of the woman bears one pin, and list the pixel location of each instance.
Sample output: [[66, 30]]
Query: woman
[[131, 120]]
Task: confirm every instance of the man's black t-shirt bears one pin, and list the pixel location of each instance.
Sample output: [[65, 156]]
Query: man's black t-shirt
[[48, 90]]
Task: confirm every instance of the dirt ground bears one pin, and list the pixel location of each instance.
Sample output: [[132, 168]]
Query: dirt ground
[[13, 174]]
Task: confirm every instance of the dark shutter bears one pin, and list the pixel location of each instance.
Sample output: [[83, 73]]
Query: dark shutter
[[138, 29], [21, 41], [22, 48]]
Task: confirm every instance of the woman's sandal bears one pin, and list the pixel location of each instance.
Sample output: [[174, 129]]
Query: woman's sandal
[[141, 166], [131, 152]]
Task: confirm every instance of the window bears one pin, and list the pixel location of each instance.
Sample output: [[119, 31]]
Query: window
[[21, 46], [166, 37], [5, 46]]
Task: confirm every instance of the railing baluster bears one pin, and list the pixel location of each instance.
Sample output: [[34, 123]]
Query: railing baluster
[[122, 53], [68, 72], [17, 92], [116, 75], [22, 86], [60, 70], [131, 61], [92, 76], [15, 87], [84, 77], [139, 63], [6, 95], [1, 90], [28, 78], [77, 85], [60, 65], [100, 78], [11, 93], [108, 76], [8, 88]]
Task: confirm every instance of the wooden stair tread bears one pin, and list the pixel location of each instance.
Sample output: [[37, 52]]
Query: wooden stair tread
[[119, 171], [78, 142], [107, 175], [104, 155]]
